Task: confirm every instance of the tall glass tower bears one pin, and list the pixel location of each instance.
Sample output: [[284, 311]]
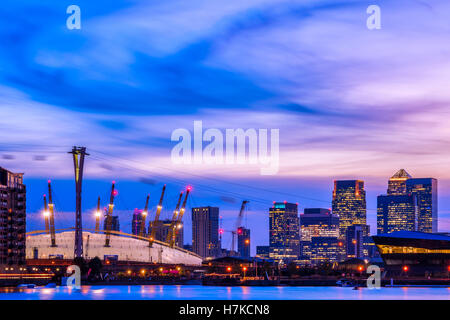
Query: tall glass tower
[[349, 203], [284, 231]]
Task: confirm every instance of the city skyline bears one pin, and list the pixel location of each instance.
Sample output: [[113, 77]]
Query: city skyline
[[66, 218]]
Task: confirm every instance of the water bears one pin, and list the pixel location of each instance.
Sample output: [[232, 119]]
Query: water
[[172, 292]]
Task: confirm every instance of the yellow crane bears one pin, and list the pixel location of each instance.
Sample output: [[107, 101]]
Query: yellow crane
[[46, 214], [174, 219], [51, 215], [98, 214], [143, 217], [155, 222], [179, 218], [109, 216]]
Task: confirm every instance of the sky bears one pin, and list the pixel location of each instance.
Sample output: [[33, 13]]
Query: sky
[[349, 102]]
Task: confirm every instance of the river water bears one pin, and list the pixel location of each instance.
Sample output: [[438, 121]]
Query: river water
[[176, 292]]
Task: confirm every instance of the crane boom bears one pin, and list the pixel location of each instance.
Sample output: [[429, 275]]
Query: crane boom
[[97, 216], [47, 230], [180, 217], [174, 219], [158, 212], [144, 216], [109, 216], [241, 214], [51, 215]]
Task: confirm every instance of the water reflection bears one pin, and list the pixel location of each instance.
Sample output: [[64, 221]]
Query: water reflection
[[223, 293]]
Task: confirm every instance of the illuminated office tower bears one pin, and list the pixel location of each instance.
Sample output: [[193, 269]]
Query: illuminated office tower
[[324, 249], [243, 242], [397, 183], [319, 230], [425, 190], [205, 231], [284, 231], [396, 213], [349, 203]]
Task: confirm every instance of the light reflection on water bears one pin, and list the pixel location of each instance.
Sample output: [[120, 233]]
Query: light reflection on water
[[176, 292]]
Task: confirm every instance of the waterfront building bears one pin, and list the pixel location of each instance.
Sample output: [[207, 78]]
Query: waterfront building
[[263, 252], [349, 203], [415, 253], [425, 190], [284, 234], [163, 228], [396, 213], [318, 227], [205, 231], [12, 218], [243, 237]]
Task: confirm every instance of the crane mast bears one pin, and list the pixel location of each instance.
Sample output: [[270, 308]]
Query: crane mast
[[51, 215], [97, 216], [238, 224], [109, 216], [143, 217], [158, 212], [47, 229], [180, 218], [174, 219]]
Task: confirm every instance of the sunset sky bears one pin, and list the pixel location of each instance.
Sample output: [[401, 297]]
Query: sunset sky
[[349, 102]]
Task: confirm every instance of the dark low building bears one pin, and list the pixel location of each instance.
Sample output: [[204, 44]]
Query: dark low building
[[415, 253]]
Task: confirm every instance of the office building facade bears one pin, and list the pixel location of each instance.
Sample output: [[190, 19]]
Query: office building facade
[[243, 237], [319, 228], [349, 203], [163, 228], [284, 234], [205, 231]]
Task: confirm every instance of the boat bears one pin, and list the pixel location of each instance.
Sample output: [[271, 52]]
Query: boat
[[345, 283]]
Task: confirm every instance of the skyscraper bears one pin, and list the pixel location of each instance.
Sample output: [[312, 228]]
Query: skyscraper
[[425, 190], [284, 231], [397, 183], [319, 235], [410, 204], [12, 218], [243, 242], [137, 222], [349, 203], [205, 231], [396, 213]]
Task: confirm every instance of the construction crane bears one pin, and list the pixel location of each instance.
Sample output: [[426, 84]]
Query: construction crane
[[143, 217], [109, 215], [155, 222], [51, 215], [98, 213], [177, 225], [174, 219], [238, 225], [46, 214]]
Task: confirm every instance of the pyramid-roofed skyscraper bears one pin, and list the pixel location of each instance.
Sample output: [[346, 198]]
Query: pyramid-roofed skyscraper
[[397, 183]]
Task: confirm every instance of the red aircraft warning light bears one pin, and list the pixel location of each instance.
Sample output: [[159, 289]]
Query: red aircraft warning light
[[405, 268]]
